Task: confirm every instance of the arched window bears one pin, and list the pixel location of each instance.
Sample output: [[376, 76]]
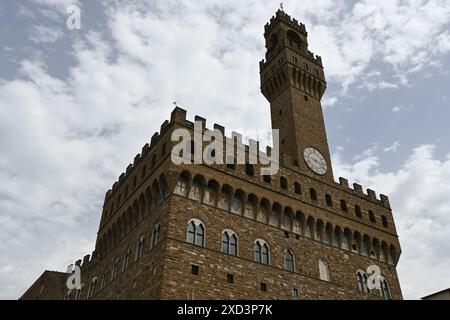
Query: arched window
[[323, 271], [384, 221], [249, 169], [313, 194], [229, 243], [195, 192], [361, 278], [196, 233], [283, 183], [261, 252], [91, 289], [181, 187], [358, 212], [344, 207], [288, 261], [297, 188], [156, 235], [68, 295], [372, 217], [140, 248], [115, 269], [329, 200], [384, 288], [104, 280], [125, 261], [294, 39], [79, 293]]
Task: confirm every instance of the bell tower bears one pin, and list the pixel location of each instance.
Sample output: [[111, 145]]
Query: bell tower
[[293, 81]]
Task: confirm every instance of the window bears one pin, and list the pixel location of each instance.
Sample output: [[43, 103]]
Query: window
[[68, 295], [156, 235], [305, 97], [144, 171], [140, 248], [329, 200], [306, 66], [288, 261], [249, 170], [295, 293], [385, 291], [267, 178], [361, 278], [196, 233], [372, 216], [164, 149], [344, 207], [125, 260], [230, 279], [134, 182], [263, 287], [104, 280], [297, 188], [384, 221], [91, 289], [229, 243], [323, 271], [313, 194], [358, 212], [283, 183], [261, 252], [115, 269], [194, 270]]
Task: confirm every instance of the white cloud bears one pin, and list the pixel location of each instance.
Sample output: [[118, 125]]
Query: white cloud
[[44, 34], [329, 101], [205, 56], [401, 108], [418, 194], [392, 148]]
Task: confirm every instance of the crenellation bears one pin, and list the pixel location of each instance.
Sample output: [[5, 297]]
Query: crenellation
[[128, 170], [372, 195], [145, 149], [358, 188], [385, 201], [164, 127], [284, 17], [219, 128], [201, 120], [154, 139], [137, 160], [343, 182], [178, 114], [85, 262]]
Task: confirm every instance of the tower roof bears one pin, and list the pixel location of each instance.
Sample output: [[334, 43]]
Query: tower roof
[[281, 16]]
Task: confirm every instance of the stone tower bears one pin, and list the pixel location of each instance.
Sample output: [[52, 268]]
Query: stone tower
[[223, 231], [293, 81]]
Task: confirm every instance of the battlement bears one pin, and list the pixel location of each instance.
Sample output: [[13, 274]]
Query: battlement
[[281, 16], [179, 115], [370, 195]]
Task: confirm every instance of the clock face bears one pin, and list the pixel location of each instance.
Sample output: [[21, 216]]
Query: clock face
[[315, 161]]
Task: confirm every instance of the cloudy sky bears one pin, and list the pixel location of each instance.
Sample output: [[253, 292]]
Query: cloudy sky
[[77, 105]]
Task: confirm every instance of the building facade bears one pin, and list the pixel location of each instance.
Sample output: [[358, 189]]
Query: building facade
[[224, 231]]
